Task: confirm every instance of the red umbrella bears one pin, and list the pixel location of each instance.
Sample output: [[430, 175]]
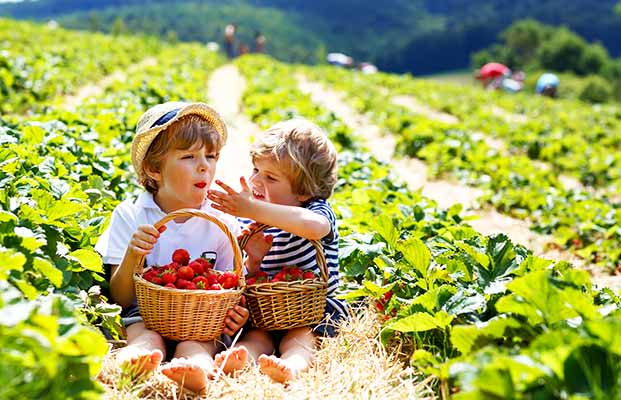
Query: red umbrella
[[492, 70]]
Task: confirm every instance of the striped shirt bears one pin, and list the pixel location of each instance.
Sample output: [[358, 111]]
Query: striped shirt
[[291, 250]]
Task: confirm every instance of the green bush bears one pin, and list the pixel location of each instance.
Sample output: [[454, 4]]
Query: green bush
[[595, 90]]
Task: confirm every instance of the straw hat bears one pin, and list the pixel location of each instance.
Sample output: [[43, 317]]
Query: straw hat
[[157, 118]]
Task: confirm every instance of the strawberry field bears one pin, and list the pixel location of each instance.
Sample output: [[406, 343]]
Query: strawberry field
[[475, 316]]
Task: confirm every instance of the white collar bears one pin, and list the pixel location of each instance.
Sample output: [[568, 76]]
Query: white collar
[[146, 200]]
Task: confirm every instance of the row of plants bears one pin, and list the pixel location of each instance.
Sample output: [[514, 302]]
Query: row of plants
[[39, 62], [579, 220], [61, 175], [481, 314], [572, 137]]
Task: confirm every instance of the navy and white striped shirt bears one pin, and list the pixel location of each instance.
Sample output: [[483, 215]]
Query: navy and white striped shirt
[[291, 250]]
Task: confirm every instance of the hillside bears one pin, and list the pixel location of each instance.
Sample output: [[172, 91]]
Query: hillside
[[401, 36], [479, 231]]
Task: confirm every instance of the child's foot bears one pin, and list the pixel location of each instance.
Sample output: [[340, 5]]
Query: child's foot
[[186, 374], [276, 368], [231, 360], [140, 363]]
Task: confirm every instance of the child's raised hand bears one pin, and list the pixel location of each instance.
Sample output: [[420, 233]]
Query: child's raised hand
[[236, 317], [230, 201], [144, 239]]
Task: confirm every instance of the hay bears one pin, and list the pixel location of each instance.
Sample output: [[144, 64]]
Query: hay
[[353, 365]]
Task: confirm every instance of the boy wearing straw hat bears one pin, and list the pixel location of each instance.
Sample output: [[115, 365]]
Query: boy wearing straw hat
[[174, 154], [293, 176]]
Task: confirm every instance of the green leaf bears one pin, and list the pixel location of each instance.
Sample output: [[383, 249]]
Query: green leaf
[[10, 261], [416, 253], [27, 289], [88, 259], [385, 227], [62, 209], [6, 216], [33, 134], [467, 338], [420, 322], [49, 271], [592, 371]]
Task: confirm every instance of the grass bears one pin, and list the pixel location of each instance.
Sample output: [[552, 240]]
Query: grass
[[353, 365]]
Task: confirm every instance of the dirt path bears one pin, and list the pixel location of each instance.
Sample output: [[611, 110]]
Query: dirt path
[[226, 86], [414, 173], [72, 102]]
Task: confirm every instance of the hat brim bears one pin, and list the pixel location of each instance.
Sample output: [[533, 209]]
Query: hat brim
[[143, 140]]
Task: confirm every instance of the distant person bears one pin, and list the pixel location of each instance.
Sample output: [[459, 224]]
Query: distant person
[[492, 74], [513, 84], [547, 85], [367, 68], [259, 42], [339, 60], [243, 49], [229, 40]]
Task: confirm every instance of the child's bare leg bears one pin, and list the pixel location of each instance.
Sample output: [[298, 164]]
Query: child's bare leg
[[297, 351], [144, 351], [254, 343], [192, 365]]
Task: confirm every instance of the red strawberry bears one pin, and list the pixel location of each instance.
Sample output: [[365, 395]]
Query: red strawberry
[[171, 285], [207, 264], [197, 267], [181, 256], [292, 273], [169, 276], [185, 273], [279, 277], [211, 276], [201, 282], [215, 286], [308, 275], [156, 280], [182, 283], [251, 281], [149, 274], [262, 277], [228, 280], [190, 286]]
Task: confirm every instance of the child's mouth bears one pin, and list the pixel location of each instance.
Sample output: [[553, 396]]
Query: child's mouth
[[257, 195], [200, 185]]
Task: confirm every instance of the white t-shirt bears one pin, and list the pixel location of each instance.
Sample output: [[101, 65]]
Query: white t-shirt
[[196, 235]]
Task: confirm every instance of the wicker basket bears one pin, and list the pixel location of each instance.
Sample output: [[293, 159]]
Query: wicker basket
[[180, 314], [287, 305]]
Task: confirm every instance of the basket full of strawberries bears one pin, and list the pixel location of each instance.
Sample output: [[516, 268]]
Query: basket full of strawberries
[[188, 299], [291, 298]]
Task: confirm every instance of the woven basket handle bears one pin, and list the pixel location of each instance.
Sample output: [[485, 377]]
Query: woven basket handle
[[191, 212], [321, 258]]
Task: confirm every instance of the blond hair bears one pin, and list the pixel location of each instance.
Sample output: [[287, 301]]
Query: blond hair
[[304, 153], [180, 135]]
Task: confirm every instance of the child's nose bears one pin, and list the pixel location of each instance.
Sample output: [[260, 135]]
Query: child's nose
[[203, 164]]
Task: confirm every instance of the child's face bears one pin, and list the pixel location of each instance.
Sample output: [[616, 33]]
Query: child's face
[[185, 178], [268, 183]]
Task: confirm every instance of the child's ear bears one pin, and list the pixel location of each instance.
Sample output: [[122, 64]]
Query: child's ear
[[151, 173]]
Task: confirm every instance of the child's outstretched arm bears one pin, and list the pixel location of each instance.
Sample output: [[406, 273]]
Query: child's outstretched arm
[[121, 282], [296, 220]]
